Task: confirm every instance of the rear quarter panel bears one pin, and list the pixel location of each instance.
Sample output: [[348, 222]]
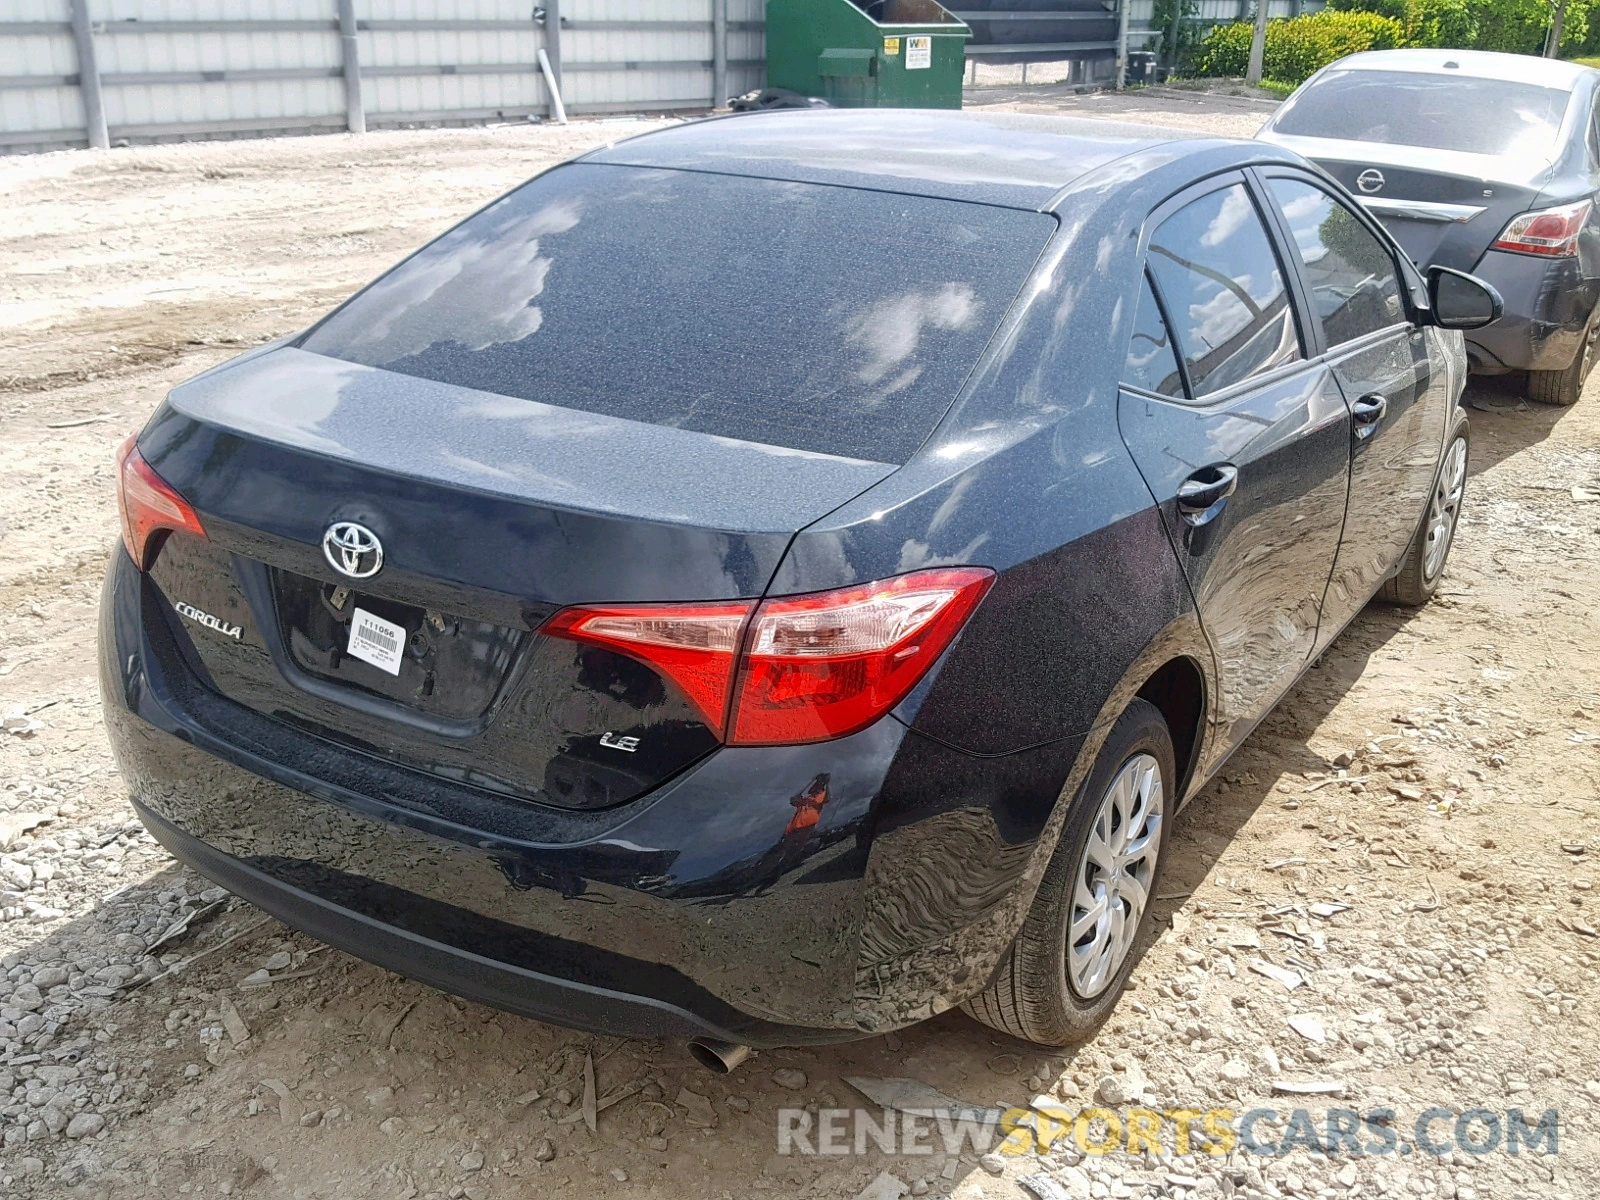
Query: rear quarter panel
[[1028, 475]]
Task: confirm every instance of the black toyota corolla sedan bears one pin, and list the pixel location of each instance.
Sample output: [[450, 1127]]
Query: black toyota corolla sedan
[[1489, 163], [776, 579]]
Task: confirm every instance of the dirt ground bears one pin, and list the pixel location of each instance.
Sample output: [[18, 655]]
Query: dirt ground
[[1410, 838]]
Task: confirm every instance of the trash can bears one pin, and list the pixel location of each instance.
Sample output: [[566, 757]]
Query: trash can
[[867, 54]]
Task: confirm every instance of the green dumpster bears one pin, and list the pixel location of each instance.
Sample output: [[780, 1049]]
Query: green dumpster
[[875, 54]]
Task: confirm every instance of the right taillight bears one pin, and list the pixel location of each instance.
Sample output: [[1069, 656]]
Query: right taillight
[[148, 505], [1550, 232], [801, 668], [825, 665]]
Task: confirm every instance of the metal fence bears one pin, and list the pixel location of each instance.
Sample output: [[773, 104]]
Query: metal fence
[[104, 72], [1085, 32]]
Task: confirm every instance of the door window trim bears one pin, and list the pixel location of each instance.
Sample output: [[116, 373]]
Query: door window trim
[[1154, 285], [1310, 342], [1407, 274]]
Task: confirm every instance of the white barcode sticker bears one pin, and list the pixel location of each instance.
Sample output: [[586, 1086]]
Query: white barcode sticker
[[374, 640]]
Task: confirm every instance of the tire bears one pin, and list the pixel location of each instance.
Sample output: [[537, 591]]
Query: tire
[[1423, 566], [1033, 994], [1563, 388]]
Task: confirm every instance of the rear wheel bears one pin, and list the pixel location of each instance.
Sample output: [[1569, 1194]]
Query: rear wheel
[[1423, 565], [1068, 964], [1564, 387]]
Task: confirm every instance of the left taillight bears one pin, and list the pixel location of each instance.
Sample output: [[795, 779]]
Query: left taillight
[[793, 668], [1547, 232], [148, 505]]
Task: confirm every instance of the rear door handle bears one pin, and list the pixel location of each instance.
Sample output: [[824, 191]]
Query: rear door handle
[[1367, 414], [1204, 494]]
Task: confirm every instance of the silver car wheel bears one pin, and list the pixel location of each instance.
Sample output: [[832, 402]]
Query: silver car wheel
[[1444, 508], [1112, 886]]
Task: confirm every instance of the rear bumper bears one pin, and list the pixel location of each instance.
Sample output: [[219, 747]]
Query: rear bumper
[[449, 968], [1548, 303], [699, 910]]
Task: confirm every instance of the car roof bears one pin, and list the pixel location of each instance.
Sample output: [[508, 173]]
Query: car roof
[[1475, 64], [1016, 160]]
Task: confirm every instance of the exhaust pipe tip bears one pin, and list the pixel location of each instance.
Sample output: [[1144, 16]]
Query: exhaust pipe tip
[[720, 1058]]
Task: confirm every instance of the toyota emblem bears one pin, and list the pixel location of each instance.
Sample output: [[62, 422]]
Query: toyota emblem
[[1370, 180], [352, 550]]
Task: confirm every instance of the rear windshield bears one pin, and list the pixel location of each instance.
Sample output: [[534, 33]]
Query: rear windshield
[[1440, 112], [815, 318]]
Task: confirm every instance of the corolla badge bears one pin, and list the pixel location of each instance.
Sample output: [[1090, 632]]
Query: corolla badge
[[352, 550], [201, 617], [1371, 180]]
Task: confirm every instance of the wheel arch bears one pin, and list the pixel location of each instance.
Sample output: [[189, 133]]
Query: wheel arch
[[1178, 690]]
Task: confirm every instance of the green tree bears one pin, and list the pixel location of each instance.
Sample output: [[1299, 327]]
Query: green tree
[[1395, 10]]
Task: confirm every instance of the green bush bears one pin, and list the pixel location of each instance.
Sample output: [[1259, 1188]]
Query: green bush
[[1452, 23], [1307, 43], [1395, 10], [1297, 47], [1513, 26], [1226, 50]]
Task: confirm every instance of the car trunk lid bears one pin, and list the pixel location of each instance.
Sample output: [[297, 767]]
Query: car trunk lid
[[492, 514], [1443, 207]]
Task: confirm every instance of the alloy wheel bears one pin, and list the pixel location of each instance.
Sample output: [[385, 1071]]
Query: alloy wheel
[[1445, 507], [1115, 872]]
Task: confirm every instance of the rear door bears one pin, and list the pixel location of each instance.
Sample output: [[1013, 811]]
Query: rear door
[[1396, 383], [1243, 442]]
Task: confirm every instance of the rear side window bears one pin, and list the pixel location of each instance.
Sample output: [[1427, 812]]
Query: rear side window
[[1224, 293], [1439, 112], [815, 318], [1152, 359], [1353, 280]]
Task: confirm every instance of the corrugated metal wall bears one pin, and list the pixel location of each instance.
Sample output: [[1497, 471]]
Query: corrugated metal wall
[[196, 68], [174, 68], [1215, 12], [39, 99], [459, 60], [208, 68], [632, 55]]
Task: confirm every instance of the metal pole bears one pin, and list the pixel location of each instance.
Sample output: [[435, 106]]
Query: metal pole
[[552, 45], [719, 53], [1122, 44], [355, 116], [94, 108]]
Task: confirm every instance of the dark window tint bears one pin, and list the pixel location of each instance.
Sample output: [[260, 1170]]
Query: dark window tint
[[1152, 362], [1440, 112], [816, 318], [1353, 280], [1224, 292]]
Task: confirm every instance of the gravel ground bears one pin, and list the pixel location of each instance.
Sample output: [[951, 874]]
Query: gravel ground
[[1408, 841]]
